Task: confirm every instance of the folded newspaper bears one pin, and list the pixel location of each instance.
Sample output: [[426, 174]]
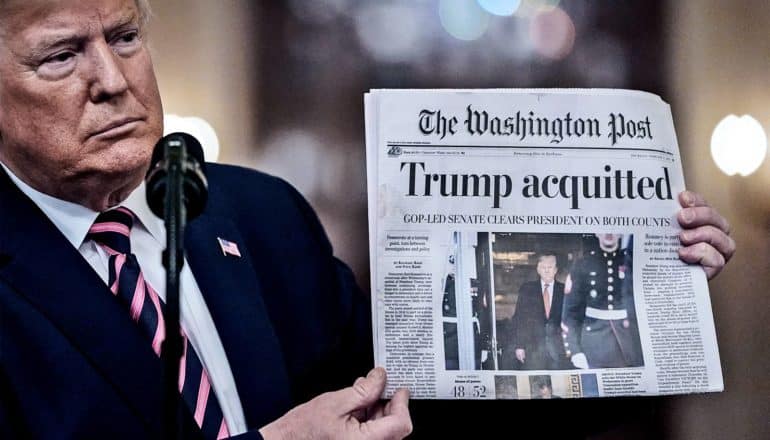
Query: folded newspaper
[[524, 245]]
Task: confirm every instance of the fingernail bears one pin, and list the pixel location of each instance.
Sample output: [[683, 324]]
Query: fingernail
[[687, 215], [685, 235], [376, 373], [687, 198]]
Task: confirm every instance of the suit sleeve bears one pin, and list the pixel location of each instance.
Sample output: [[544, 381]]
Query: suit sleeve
[[521, 325], [352, 355]]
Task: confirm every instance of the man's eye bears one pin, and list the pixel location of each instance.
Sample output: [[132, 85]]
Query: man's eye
[[59, 58], [127, 43], [127, 38], [57, 65]]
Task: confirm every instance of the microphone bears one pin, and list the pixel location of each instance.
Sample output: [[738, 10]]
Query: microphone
[[178, 152], [177, 191]]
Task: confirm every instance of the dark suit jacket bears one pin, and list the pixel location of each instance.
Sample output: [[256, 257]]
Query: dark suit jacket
[[539, 336], [74, 365]]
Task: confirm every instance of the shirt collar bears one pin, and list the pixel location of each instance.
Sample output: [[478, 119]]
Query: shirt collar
[[137, 203], [75, 220]]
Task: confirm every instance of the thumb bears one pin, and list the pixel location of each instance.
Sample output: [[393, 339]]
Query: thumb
[[364, 392]]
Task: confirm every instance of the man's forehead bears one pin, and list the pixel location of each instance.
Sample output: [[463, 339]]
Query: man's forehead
[[18, 15], [547, 259]]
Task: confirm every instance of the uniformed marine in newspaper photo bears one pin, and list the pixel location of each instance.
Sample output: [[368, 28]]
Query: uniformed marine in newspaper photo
[[599, 321]]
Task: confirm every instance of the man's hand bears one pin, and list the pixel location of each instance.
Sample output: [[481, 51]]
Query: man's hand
[[705, 236], [521, 354], [351, 413]]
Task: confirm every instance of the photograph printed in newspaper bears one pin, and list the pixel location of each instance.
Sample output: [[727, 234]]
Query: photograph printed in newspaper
[[523, 245]]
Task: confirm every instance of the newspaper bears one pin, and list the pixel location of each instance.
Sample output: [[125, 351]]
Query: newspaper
[[524, 245]]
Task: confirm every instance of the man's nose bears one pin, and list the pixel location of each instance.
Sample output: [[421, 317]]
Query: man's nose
[[107, 78]]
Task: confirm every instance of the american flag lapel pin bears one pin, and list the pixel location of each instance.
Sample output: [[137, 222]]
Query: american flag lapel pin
[[228, 247]]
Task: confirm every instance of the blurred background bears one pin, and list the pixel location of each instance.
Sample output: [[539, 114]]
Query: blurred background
[[282, 83]]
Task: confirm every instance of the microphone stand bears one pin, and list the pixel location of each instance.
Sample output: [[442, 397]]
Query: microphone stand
[[173, 260], [177, 191]]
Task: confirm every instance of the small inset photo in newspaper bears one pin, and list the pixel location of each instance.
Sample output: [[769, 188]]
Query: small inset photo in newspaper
[[539, 301], [546, 386]]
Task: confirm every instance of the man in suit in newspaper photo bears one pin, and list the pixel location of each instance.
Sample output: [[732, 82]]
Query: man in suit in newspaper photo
[[537, 321]]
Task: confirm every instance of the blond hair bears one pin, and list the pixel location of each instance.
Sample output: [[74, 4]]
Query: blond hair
[[144, 12]]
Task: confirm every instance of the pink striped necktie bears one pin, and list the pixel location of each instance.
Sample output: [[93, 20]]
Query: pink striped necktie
[[111, 230]]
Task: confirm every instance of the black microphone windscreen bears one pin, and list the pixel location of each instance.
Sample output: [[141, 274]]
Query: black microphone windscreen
[[193, 168], [192, 145]]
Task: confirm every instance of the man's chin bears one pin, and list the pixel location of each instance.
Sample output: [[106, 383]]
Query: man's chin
[[101, 188], [124, 162]]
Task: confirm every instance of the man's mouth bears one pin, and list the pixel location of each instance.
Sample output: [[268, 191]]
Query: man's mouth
[[117, 128]]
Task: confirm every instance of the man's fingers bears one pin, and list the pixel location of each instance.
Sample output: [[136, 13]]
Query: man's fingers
[[361, 415], [697, 212], [399, 403], [396, 422], [711, 235], [688, 199], [380, 409], [705, 235], [377, 412], [364, 393], [700, 216], [705, 255]]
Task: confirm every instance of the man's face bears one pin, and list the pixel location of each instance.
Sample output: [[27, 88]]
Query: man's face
[[546, 268], [608, 242], [79, 105]]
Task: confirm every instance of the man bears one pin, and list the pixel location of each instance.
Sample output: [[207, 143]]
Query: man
[[600, 329], [536, 323], [269, 321], [541, 387]]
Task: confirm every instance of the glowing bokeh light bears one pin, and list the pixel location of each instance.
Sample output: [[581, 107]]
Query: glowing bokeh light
[[552, 33], [463, 19], [500, 7], [738, 145], [392, 33], [198, 128]]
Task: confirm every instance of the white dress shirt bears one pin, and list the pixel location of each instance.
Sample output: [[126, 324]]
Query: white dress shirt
[[148, 239]]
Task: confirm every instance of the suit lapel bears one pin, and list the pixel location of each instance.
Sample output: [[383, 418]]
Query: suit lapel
[[537, 292], [39, 264], [231, 290]]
